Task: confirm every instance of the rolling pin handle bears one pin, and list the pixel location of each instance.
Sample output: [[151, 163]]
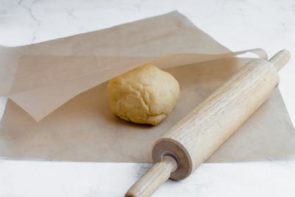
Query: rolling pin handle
[[280, 59], [157, 175], [260, 79]]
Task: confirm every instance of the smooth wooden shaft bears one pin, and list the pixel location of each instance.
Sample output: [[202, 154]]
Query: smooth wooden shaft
[[157, 175], [280, 59], [197, 136]]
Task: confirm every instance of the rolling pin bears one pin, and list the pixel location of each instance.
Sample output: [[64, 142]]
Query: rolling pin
[[198, 135]]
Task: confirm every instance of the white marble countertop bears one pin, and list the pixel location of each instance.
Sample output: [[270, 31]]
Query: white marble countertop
[[268, 24]]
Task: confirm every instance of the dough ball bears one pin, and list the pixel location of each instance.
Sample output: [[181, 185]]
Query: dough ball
[[144, 95]]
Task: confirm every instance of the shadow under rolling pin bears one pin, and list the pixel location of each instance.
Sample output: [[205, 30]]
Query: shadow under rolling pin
[[197, 136]]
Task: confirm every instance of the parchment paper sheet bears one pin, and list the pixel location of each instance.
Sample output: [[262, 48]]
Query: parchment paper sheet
[[58, 111]]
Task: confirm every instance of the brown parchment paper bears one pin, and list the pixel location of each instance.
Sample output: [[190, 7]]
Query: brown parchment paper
[[58, 110]]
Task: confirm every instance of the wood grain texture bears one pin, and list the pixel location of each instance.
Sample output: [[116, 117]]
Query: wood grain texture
[[208, 126], [196, 137], [157, 175]]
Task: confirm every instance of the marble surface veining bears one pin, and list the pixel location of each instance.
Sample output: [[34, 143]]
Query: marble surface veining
[[238, 24]]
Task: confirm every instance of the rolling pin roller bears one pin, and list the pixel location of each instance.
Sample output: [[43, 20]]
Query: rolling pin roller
[[195, 138]]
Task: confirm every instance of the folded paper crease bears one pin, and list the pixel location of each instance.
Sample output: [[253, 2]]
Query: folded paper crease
[[57, 108], [66, 77]]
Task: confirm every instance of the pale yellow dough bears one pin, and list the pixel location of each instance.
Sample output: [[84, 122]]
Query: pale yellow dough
[[144, 95]]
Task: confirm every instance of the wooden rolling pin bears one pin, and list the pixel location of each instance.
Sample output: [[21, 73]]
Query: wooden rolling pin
[[196, 137]]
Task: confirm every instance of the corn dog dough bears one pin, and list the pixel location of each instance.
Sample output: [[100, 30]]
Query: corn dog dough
[[144, 95]]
